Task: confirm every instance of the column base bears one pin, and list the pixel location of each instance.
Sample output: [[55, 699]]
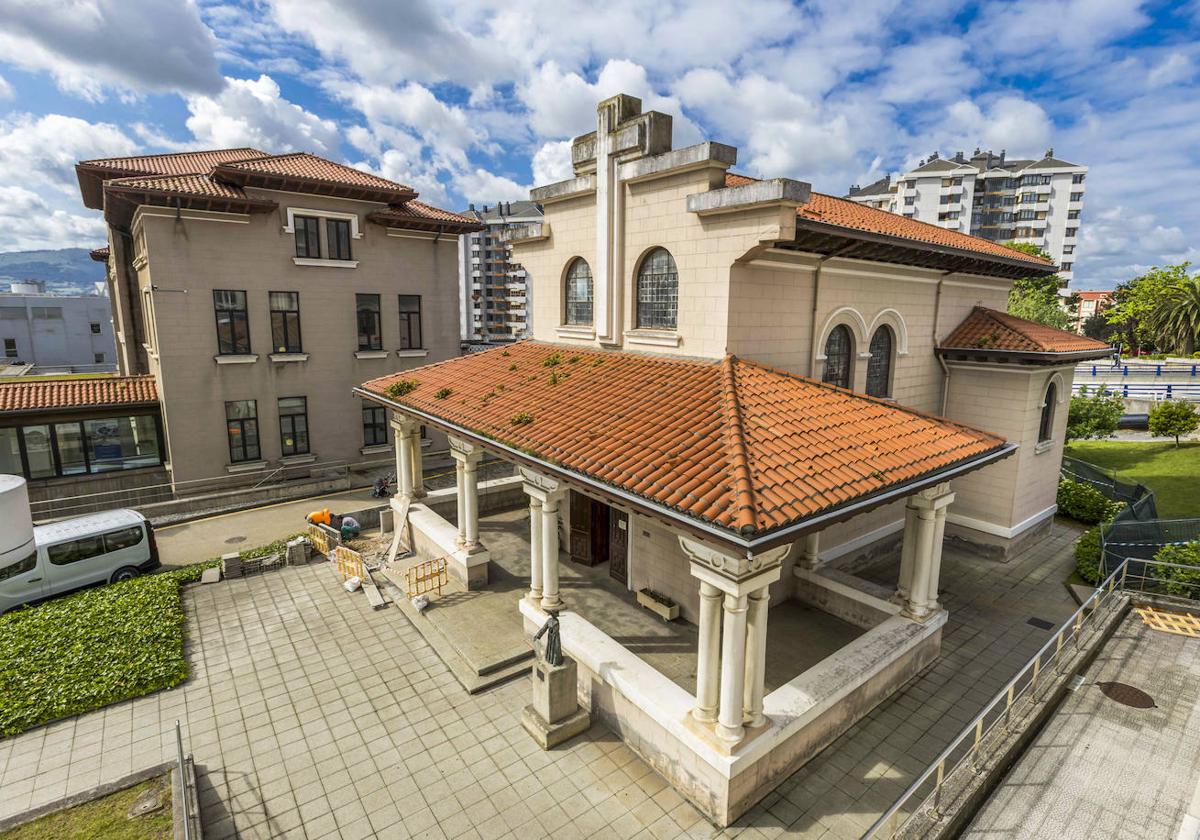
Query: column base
[[534, 596], [731, 736], [704, 716], [920, 613], [555, 603]]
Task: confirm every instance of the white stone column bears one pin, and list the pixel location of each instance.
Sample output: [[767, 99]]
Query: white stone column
[[404, 464], [756, 657], [550, 597], [812, 551], [733, 669], [466, 458], [929, 506], [535, 550], [708, 654], [904, 583], [418, 465]]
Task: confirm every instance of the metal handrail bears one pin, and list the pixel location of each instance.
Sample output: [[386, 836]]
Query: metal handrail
[[1009, 695], [183, 783]]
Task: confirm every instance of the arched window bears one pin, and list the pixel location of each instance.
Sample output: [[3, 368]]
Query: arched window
[[838, 348], [657, 291], [879, 368], [579, 294], [1046, 429]]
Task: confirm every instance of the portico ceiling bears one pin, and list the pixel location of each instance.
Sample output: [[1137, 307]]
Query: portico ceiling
[[747, 453]]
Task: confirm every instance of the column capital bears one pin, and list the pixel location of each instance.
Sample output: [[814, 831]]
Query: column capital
[[932, 498], [464, 450], [736, 574], [541, 487], [403, 425]]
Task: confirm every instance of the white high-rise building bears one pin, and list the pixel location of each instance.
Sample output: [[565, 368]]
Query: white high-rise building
[[494, 295], [987, 195]]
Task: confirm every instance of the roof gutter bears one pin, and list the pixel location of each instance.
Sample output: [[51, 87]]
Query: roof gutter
[[1027, 355], [756, 544]]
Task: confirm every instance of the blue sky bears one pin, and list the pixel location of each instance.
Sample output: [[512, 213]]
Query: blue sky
[[477, 101]]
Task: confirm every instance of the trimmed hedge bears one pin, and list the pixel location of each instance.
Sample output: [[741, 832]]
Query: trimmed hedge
[[83, 651], [1182, 582], [1085, 503]]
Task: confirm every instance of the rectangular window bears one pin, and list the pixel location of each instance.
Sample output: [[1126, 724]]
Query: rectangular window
[[285, 321], [10, 452], [1077, 179], [910, 200], [1066, 266], [1072, 214], [293, 425], [10, 348], [1068, 249], [308, 237], [233, 323], [124, 538], [337, 231], [76, 550], [1071, 232], [122, 443], [370, 331], [98, 358], [374, 420], [410, 322], [47, 313], [1077, 196], [39, 452], [241, 425], [95, 328], [69, 439]]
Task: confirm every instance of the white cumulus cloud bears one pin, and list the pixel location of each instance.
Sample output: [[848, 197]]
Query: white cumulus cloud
[[253, 112]]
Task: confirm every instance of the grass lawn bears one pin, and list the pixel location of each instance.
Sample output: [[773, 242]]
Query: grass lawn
[[83, 651], [1172, 473], [105, 817]]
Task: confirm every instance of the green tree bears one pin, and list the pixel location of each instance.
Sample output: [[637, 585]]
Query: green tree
[[1175, 320], [1173, 418], [1135, 300], [1096, 326], [1037, 298], [1093, 415]]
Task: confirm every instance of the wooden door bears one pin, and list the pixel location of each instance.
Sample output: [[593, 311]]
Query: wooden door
[[618, 545], [581, 529]]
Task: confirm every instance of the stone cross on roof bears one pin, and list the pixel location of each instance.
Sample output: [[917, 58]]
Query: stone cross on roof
[[623, 133]]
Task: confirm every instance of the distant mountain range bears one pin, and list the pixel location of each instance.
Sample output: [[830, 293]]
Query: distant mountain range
[[65, 271]]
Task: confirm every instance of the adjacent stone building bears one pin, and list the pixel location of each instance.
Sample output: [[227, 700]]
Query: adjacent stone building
[[492, 286], [258, 289], [738, 392], [64, 333]]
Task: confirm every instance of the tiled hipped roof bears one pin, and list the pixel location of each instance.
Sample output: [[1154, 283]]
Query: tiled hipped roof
[[53, 394], [842, 212], [988, 329], [181, 163], [730, 442]]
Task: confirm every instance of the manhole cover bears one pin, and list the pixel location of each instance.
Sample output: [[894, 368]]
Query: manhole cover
[[1127, 695], [1040, 623], [235, 540]]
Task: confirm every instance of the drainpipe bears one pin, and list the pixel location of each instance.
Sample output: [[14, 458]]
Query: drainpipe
[[937, 310]]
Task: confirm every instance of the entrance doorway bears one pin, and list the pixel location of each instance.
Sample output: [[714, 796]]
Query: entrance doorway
[[599, 534]]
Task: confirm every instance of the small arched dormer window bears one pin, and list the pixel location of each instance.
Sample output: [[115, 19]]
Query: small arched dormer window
[[657, 291], [838, 349], [579, 294], [879, 367], [1046, 428]]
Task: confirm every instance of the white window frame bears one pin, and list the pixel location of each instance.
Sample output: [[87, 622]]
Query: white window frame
[[293, 212]]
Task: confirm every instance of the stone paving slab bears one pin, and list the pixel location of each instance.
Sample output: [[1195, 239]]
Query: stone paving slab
[[312, 716], [1101, 769]]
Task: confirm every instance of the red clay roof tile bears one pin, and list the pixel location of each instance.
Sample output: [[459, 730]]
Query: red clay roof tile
[[311, 167], [193, 185], [841, 212], [179, 163], [746, 447], [988, 329], [77, 393]]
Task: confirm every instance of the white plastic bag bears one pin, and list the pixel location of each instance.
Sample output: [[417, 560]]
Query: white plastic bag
[[352, 584]]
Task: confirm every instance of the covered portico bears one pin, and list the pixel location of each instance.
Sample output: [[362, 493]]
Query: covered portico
[[727, 478]]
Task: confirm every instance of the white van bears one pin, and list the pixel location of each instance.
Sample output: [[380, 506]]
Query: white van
[[74, 553]]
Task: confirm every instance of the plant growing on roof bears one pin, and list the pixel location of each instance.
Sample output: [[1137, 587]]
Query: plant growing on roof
[[558, 376], [513, 366], [573, 360], [522, 418], [401, 387], [553, 360], [442, 393]]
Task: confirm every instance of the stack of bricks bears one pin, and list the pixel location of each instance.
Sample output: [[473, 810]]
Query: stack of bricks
[[298, 551], [231, 565]]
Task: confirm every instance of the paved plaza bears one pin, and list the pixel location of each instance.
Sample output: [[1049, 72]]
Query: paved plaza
[[310, 715], [1103, 769]]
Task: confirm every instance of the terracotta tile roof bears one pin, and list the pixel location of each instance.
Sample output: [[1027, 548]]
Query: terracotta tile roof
[[988, 329], [202, 186], [99, 254], [180, 163], [418, 211], [730, 442], [842, 212], [311, 167], [45, 394]]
